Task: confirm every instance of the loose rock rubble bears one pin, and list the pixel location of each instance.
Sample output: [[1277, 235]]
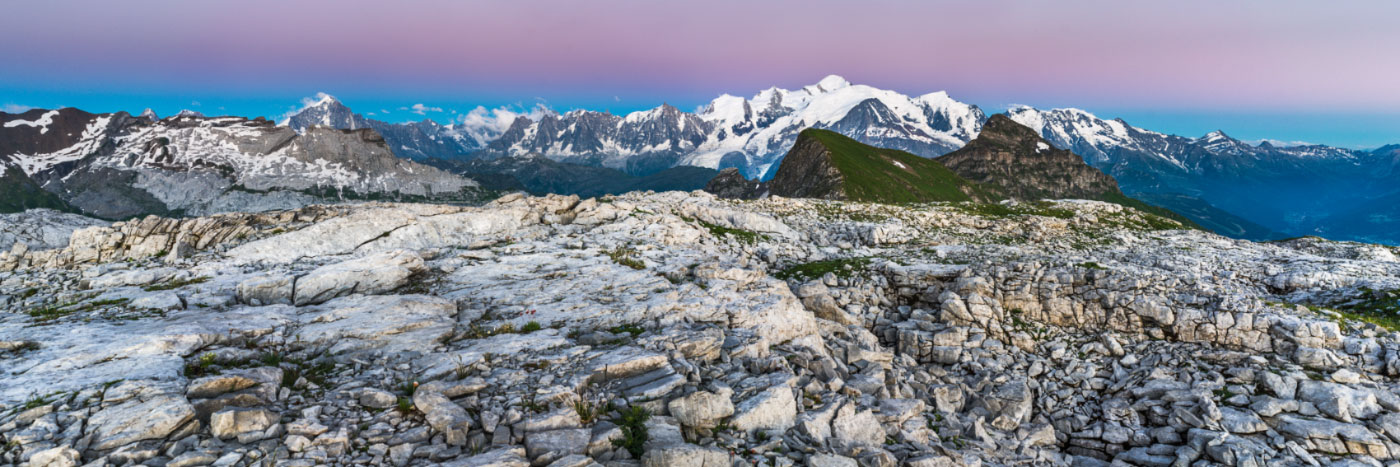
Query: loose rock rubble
[[680, 329]]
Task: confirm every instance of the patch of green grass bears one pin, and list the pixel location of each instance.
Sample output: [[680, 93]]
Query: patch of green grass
[[1091, 265], [632, 329], [1378, 307], [270, 358], [175, 284], [624, 257], [891, 176], [53, 312], [315, 371], [632, 421], [743, 236], [478, 331], [531, 327], [842, 267], [1002, 211]]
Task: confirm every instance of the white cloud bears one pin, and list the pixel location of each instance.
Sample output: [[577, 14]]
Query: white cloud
[[384, 111], [14, 108], [194, 103], [485, 125], [421, 109]]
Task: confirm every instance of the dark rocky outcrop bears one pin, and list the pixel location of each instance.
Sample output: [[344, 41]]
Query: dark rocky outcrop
[[1016, 159]]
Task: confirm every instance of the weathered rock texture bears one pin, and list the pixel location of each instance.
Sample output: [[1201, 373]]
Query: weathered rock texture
[[552, 331]]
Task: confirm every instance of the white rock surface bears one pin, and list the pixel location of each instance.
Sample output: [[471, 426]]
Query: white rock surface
[[793, 331]]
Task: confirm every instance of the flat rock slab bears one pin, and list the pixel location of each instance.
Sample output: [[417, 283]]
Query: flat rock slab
[[373, 274], [136, 420], [390, 322]]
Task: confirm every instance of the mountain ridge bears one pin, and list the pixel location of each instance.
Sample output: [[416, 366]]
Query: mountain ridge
[[118, 166]]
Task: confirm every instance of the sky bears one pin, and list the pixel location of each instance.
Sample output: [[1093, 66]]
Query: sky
[[1288, 70]]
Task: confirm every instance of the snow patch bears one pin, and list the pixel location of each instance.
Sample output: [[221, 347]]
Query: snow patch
[[43, 122]]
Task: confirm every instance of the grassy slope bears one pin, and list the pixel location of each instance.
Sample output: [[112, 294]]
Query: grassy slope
[[870, 174], [19, 193]]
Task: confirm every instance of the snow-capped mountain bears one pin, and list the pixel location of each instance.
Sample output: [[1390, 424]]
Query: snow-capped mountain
[[750, 134], [116, 165], [1287, 189], [414, 140]]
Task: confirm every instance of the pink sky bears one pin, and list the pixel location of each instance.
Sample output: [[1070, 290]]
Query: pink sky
[[1252, 55]]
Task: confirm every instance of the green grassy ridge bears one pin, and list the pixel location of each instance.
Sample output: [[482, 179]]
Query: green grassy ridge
[[870, 175]]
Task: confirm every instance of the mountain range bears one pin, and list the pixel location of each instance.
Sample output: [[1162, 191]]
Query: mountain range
[[1259, 191], [118, 166]]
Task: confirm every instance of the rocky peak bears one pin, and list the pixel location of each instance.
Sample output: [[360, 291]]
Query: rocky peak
[[326, 111], [1015, 158]]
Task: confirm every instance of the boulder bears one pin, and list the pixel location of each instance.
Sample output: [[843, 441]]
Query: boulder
[[544, 447], [702, 409], [687, 455], [771, 409], [377, 398], [60, 456], [373, 274], [444, 416], [267, 289], [853, 428], [136, 420], [235, 423]]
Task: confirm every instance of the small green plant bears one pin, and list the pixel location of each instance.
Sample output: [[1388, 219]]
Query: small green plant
[[531, 327], [624, 257], [1091, 265], [37, 400], [405, 405], [270, 358], [632, 329], [743, 236], [26, 346], [632, 421], [201, 366], [589, 412], [315, 371]]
